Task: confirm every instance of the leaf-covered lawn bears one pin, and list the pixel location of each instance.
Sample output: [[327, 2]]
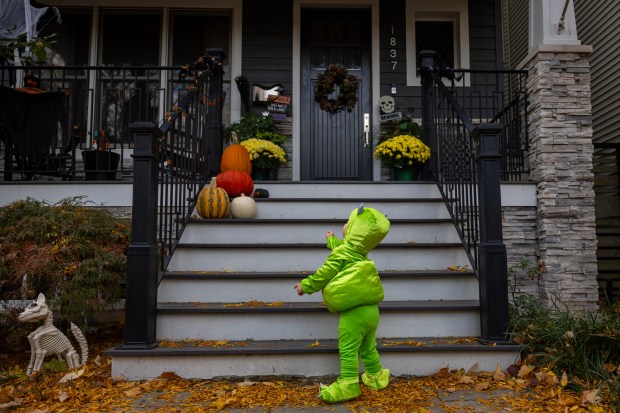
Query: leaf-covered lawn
[[521, 389]]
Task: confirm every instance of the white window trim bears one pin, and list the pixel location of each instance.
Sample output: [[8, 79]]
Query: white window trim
[[437, 10]]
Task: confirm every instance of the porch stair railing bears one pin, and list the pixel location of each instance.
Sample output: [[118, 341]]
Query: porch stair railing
[[468, 161], [172, 163]]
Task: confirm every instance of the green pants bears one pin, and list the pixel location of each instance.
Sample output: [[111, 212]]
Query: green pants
[[357, 337]]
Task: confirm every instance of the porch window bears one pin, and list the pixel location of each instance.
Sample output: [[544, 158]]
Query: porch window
[[437, 36], [72, 40], [442, 26], [192, 32], [130, 38]]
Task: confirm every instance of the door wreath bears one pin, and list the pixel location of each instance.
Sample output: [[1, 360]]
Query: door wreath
[[325, 85]]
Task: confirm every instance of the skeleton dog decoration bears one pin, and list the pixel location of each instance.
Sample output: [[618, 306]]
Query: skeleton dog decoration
[[47, 339]]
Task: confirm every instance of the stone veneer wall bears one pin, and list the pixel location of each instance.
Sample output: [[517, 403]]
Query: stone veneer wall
[[519, 227], [561, 149]]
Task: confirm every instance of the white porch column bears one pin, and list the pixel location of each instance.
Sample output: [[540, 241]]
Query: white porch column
[[560, 156], [552, 22]]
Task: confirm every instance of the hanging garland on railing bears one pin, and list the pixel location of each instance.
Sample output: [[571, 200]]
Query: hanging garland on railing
[[325, 85]]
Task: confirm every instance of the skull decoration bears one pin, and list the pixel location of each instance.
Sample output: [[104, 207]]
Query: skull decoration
[[387, 104]]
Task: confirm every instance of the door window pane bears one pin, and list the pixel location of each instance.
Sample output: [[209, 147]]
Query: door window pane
[[129, 38]]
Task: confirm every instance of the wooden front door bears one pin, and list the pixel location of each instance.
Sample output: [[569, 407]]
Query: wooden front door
[[333, 145]]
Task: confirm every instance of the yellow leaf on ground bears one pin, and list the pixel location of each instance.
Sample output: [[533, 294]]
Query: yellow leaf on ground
[[315, 344], [564, 380]]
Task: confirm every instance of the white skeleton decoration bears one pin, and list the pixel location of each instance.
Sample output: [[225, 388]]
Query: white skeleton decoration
[[47, 339], [387, 104]]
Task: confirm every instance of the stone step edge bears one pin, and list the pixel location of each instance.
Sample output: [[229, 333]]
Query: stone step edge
[[198, 220], [257, 307], [202, 275], [357, 200], [283, 347], [411, 245]]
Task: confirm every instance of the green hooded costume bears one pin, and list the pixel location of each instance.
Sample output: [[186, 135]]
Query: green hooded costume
[[351, 287]]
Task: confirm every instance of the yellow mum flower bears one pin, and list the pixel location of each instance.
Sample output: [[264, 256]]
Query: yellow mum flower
[[397, 150]]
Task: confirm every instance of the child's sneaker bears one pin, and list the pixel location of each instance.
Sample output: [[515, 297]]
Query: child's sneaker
[[378, 380], [341, 390]]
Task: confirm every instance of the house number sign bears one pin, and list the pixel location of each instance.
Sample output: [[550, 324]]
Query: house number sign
[[393, 53]]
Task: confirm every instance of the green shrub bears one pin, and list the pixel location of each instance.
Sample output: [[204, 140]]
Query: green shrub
[[73, 254], [250, 126], [584, 345]]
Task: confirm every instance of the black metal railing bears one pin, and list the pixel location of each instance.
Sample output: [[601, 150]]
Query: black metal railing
[[172, 163], [86, 108], [475, 123]]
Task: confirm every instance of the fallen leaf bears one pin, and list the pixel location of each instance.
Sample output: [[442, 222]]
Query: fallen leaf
[[118, 379], [62, 396], [524, 371], [37, 411], [451, 389], [169, 375], [98, 360], [499, 375], [315, 344], [133, 392], [473, 368], [72, 375], [564, 380], [14, 403], [246, 383], [513, 370], [466, 380], [482, 386], [590, 397]]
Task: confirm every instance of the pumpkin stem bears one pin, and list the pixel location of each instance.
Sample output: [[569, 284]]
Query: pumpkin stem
[[235, 138], [213, 183]]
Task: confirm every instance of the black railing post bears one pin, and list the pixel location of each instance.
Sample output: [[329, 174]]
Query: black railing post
[[215, 92], [492, 261], [427, 64], [141, 290]]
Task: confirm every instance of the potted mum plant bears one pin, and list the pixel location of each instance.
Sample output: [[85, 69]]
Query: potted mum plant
[[405, 154], [265, 155]]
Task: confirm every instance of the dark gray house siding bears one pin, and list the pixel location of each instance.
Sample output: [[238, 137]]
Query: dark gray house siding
[[268, 43]]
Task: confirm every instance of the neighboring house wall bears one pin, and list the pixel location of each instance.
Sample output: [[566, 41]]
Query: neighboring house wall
[[597, 25]]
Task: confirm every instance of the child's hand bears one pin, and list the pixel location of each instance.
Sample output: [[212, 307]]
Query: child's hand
[[329, 233], [300, 290]]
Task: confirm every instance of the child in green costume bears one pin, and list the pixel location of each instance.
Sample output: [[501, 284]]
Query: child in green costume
[[351, 287]]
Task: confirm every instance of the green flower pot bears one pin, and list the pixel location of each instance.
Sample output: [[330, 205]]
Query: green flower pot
[[406, 173]]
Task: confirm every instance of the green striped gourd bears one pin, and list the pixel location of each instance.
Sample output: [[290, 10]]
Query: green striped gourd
[[213, 202]]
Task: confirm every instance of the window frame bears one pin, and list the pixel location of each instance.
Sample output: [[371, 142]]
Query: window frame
[[437, 10]]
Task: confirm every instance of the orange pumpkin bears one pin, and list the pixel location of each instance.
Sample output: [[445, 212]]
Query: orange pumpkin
[[213, 202], [235, 183], [236, 158]]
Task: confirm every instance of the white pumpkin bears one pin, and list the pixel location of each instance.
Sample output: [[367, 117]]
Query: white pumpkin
[[243, 207]]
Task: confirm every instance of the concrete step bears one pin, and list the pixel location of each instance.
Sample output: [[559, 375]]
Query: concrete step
[[272, 287], [354, 189], [335, 208], [404, 356], [262, 231], [308, 257], [310, 320]]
